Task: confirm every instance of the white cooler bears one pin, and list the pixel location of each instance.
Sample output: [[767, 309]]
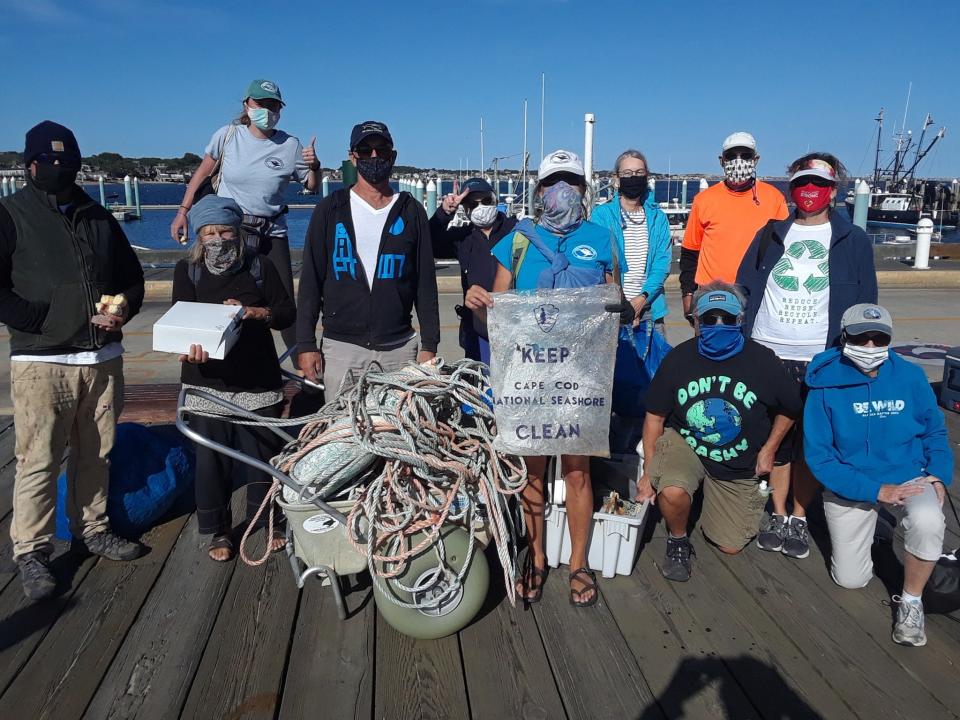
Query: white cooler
[[614, 539]]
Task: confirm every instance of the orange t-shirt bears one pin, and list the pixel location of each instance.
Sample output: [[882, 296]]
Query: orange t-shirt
[[722, 223]]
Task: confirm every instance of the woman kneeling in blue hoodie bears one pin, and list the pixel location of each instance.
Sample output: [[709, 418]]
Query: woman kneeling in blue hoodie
[[871, 417]]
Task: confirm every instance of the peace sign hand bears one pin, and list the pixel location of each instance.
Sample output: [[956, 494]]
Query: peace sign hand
[[451, 202], [309, 155]]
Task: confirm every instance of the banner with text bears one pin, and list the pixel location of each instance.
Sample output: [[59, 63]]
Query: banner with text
[[551, 368]]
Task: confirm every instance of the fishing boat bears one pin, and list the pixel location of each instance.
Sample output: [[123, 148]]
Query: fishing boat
[[897, 196]]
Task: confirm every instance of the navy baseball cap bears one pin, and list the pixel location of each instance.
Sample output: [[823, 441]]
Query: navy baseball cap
[[476, 185], [368, 128], [719, 300]]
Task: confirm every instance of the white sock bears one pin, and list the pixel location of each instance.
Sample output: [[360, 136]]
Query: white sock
[[908, 598], [676, 537], [796, 517]]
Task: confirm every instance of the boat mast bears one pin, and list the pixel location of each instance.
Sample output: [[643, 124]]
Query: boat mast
[[523, 186], [876, 162], [543, 97]]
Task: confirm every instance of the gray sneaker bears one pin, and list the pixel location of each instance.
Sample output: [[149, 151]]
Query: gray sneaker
[[796, 540], [106, 544], [38, 581], [772, 532], [678, 563], [909, 627]]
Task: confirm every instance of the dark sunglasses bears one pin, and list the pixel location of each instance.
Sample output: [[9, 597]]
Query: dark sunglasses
[[365, 150], [570, 178], [742, 153], [718, 317], [812, 180], [880, 339], [471, 203]]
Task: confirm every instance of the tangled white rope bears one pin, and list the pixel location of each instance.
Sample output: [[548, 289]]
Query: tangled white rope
[[422, 439]]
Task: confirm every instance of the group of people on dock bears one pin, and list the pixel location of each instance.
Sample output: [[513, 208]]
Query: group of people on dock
[[787, 388]]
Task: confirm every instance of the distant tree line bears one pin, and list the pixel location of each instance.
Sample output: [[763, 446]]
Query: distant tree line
[[116, 165]]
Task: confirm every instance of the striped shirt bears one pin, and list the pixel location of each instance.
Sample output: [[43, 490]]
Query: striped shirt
[[635, 245]]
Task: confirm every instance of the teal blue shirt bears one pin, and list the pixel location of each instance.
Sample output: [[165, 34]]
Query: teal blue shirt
[[588, 246]]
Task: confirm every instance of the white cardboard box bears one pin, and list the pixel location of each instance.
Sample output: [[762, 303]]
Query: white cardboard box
[[214, 327]]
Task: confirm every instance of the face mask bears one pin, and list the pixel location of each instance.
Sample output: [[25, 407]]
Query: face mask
[[866, 358], [222, 256], [375, 170], [263, 118], [483, 215], [562, 208], [811, 198], [634, 188], [54, 179], [720, 342], [740, 172]]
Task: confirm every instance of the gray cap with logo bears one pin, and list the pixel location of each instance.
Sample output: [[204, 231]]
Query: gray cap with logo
[[866, 317]]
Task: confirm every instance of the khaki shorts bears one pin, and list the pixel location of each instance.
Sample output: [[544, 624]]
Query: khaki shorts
[[732, 509]]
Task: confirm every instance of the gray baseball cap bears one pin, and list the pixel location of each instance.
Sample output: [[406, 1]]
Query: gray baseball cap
[[866, 317]]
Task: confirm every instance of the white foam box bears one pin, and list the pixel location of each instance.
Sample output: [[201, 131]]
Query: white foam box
[[614, 539], [214, 327]]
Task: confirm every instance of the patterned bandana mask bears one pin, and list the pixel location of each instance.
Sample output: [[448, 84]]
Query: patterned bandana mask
[[739, 172], [222, 256], [562, 208]]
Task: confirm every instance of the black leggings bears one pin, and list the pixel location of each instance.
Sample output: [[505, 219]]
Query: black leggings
[[217, 475], [279, 255]]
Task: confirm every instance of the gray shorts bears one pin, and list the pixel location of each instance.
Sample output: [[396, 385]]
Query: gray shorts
[[852, 524], [343, 362]]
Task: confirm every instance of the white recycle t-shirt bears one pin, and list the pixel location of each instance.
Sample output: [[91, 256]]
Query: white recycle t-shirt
[[793, 320], [255, 171]]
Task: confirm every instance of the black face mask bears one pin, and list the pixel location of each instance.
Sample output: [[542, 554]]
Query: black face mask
[[635, 187], [54, 179], [374, 170]]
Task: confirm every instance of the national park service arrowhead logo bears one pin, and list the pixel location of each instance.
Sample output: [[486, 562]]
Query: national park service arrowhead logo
[[546, 316]]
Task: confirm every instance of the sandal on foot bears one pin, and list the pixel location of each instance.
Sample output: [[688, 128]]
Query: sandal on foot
[[589, 579], [532, 574], [221, 542]]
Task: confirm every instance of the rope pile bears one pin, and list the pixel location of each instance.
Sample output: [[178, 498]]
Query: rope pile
[[419, 443]]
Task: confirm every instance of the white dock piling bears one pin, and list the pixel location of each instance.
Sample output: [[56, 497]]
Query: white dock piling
[[683, 193], [531, 192], [325, 186], [103, 192], [136, 196], [418, 191], [431, 198], [510, 186], [861, 204], [921, 260], [128, 191], [4, 187], [588, 122], [703, 184]]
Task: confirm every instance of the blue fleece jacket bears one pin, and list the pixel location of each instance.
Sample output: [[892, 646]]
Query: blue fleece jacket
[[853, 279], [659, 248], [862, 432]]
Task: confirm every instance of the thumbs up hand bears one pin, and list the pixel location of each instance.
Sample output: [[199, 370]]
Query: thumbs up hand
[[309, 155]]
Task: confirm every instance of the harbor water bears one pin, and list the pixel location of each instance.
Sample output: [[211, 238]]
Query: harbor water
[[153, 230]]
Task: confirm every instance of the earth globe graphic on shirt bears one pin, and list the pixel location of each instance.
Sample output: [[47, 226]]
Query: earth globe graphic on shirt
[[714, 421]]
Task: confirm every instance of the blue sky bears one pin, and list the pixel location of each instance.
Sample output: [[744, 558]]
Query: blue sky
[[151, 77]]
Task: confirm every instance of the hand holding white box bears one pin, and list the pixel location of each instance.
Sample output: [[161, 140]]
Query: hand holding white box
[[215, 327]]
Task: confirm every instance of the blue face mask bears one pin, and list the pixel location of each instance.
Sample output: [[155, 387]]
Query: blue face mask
[[720, 342]]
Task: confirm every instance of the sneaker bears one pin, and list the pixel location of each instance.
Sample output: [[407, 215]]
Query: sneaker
[[38, 581], [772, 532], [113, 547], [678, 562], [909, 627], [796, 541]]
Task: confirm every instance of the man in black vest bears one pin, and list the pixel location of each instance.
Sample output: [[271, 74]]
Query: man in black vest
[[60, 252]]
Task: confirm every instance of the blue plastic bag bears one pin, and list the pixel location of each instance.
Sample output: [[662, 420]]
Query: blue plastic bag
[[640, 351], [149, 469]]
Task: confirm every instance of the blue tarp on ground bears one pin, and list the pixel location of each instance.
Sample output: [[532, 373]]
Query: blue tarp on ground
[[149, 469]]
